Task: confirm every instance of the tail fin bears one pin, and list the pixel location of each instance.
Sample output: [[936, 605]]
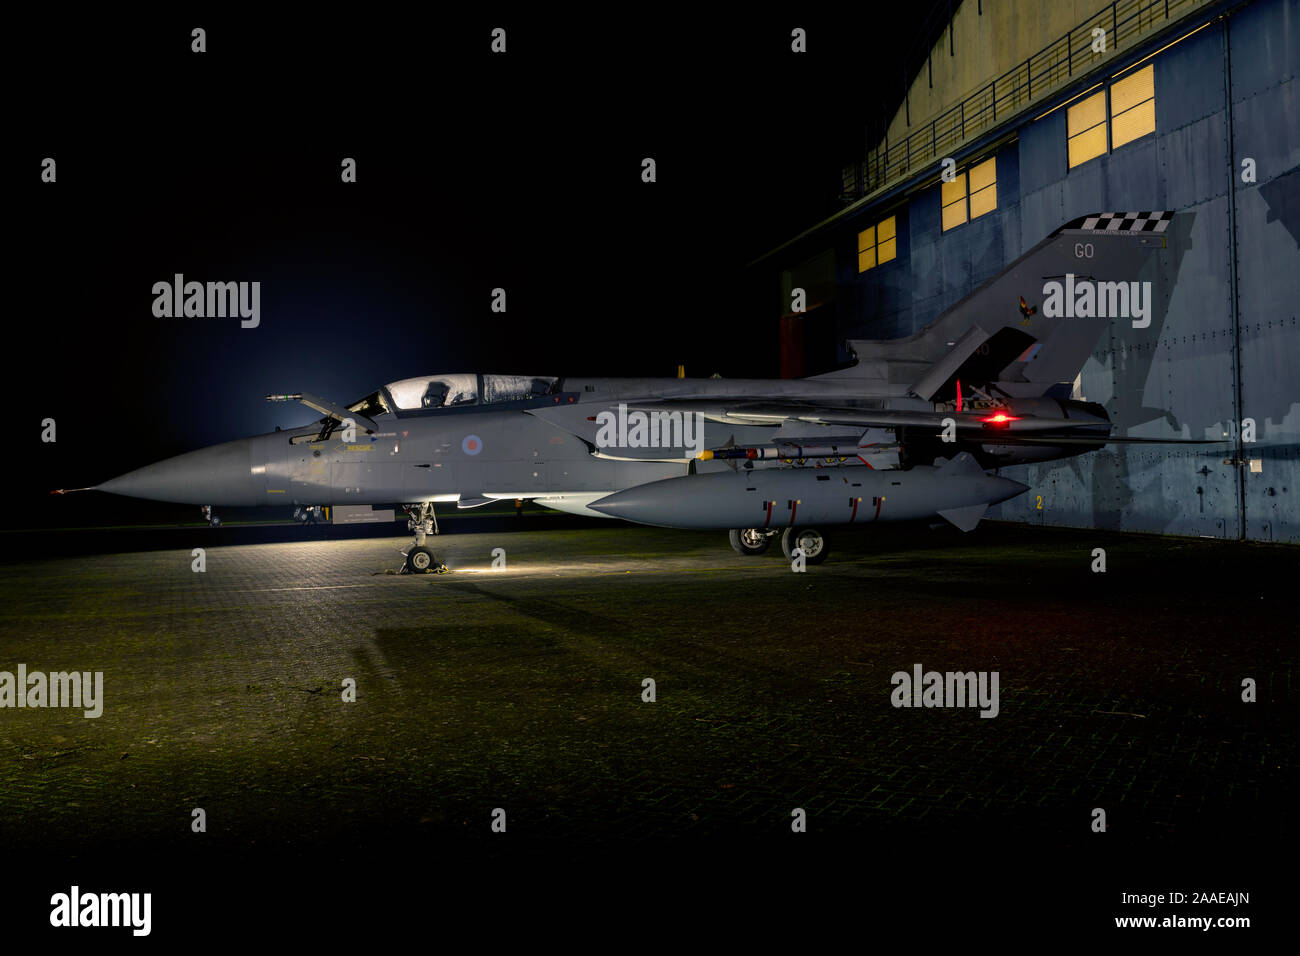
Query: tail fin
[[1034, 324]]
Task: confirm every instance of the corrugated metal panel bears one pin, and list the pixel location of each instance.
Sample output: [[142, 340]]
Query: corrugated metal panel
[[1266, 128], [1039, 209], [1042, 153], [1185, 90], [1265, 49], [1084, 190], [1192, 161], [1138, 168]]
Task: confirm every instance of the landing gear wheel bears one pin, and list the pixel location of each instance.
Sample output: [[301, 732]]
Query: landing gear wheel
[[810, 540], [214, 521], [419, 560], [748, 541]]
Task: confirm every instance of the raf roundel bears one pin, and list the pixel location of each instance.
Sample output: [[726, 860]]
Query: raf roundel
[[471, 445]]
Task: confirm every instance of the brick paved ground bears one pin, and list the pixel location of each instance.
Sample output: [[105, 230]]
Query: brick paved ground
[[521, 689]]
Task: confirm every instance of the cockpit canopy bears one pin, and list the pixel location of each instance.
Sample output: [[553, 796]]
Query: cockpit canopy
[[438, 391], [467, 388]]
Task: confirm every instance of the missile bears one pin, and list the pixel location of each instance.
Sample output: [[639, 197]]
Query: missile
[[787, 451], [958, 491]]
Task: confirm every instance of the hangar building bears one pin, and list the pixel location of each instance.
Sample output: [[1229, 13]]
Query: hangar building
[[1054, 111]]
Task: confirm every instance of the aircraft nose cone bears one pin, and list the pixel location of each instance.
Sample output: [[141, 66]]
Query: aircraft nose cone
[[219, 475]]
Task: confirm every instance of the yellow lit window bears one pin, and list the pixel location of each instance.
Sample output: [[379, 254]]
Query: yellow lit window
[[1132, 107], [982, 180], [866, 249], [877, 245], [1086, 128], [953, 196], [888, 247], [1132, 114], [983, 187]]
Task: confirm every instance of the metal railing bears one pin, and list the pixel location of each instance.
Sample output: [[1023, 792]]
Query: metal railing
[[1054, 66]]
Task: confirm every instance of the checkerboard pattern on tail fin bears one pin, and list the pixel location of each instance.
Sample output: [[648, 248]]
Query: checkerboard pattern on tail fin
[[1156, 221]]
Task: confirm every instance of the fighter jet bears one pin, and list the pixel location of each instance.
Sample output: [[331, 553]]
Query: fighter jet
[[915, 429]]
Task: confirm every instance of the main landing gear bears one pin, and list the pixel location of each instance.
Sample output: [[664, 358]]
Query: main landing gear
[[750, 542], [755, 541], [210, 518], [423, 522], [809, 540]]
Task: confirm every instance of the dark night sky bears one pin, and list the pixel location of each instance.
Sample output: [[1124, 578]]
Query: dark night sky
[[475, 171]]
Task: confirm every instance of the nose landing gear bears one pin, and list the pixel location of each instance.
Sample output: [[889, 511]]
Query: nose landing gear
[[211, 519], [421, 559], [308, 514]]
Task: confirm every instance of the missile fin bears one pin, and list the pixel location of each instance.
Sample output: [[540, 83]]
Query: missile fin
[[965, 519], [962, 463]]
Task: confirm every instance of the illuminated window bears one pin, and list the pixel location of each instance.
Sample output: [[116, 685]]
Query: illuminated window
[[953, 196], [982, 179], [1133, 107], [877, 245], [1086, 128], [866, 249], [983, 188], [1132, 114]]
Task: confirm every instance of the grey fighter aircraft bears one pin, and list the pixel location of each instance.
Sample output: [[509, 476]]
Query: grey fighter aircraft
[[910, 431]]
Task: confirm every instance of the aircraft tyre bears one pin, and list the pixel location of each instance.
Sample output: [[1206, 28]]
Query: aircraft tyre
[[419, 560], [748, 541], [812, 541]]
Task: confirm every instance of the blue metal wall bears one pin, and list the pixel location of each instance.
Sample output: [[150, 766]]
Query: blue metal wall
[[1227, 347]]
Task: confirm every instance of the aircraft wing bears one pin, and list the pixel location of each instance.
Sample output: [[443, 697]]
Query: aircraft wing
[[776, 413], [816, 425], [986, 426]]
